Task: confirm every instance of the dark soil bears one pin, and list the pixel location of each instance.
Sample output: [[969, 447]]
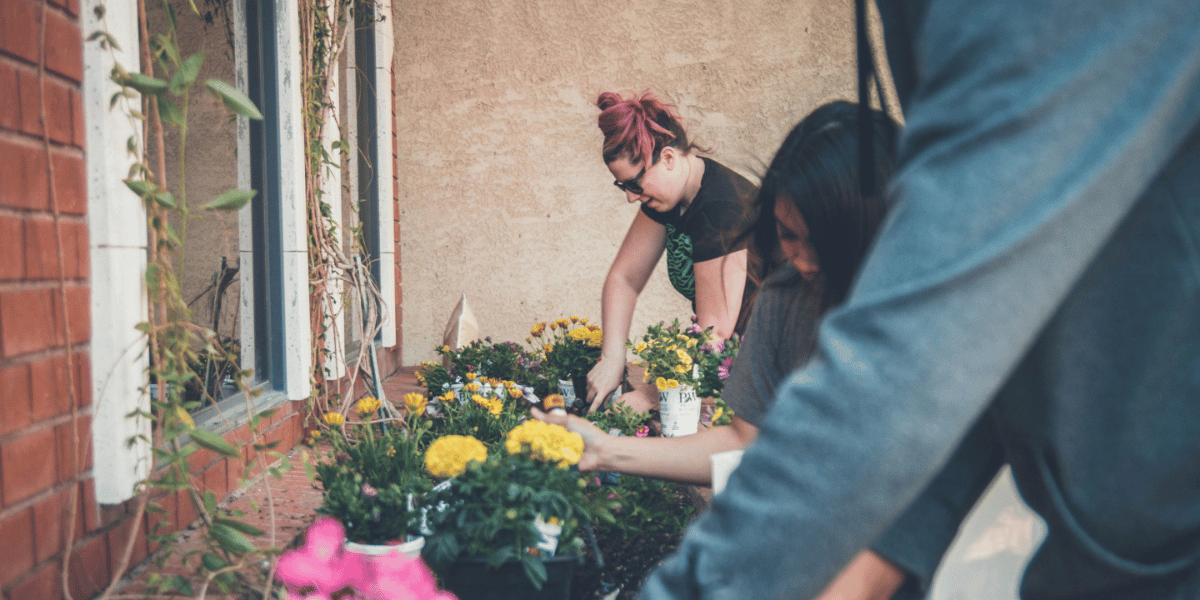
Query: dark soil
[[627, 561]]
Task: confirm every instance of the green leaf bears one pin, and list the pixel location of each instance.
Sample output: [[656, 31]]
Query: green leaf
[[245, 528], [145, 84], [210, 501], [214, 442], [234, 99], [212, 562], [170, 113], [140, 187], [231, 200], [166, 200], [231, 540], [186, 75], [534, 570]]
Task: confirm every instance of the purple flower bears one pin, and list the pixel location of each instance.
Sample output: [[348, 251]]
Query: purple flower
[[724, 367], [369, 491]]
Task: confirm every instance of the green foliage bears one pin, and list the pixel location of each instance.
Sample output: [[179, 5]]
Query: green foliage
[[369, 475], [642, 506], [465, 416], [715, 360], [490, 510], [620, 417], [571, 347], [668, 352]]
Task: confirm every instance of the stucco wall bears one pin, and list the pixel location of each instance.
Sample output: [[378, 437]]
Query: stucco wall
[[502, 191]]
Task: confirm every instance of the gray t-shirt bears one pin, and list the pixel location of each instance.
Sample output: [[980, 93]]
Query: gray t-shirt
[[779, 338]]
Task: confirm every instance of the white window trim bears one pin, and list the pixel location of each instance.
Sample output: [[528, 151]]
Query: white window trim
[[297, 337], [384, 46], [118, 288]]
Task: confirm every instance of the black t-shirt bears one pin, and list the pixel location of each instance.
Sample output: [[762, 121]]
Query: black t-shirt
[[706, 230]]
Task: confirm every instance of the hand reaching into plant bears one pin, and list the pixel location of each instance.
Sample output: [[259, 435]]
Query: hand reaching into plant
[[603, 379]]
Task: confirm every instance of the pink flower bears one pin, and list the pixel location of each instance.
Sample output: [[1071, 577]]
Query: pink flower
[[322, 568], [724, 367], [369, 491], [643, 431]]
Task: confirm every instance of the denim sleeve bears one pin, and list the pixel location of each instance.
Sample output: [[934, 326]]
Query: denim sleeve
[[919, 538], [1033, 129]]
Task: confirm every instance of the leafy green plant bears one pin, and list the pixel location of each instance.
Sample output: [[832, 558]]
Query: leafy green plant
[[490, 511], [571, 347], [370, 474], [643, 506], [620, 417], [672, 355], [484, 415]]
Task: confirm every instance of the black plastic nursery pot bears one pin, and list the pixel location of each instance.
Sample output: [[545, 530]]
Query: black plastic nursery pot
[[471, 579]]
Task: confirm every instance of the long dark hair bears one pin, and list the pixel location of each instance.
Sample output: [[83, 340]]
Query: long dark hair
[[816, 169]]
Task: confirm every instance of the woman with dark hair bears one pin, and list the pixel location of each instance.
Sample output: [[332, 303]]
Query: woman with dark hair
[[693, 208], [813, 229]]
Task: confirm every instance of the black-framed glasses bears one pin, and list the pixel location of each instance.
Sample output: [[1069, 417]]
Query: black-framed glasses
[[632, 185]]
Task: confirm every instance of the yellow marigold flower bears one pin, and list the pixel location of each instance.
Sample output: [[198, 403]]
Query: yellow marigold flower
[[552, 325], [493, 405], [672, 348], [537, 330], [583, 320], [470, 376], [448, 456], [563, 323], [547, 348], [334, 419], [515, 392], [553, 401], [545, 443], [680, 369], [593, 328], [367, 406], [691, 343], [661, 383], [574, 319], [472, 387], [416, 403], [445, 348], [448, 396], [640, 347]]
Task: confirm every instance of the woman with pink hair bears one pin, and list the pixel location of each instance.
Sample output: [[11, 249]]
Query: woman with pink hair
[[693, 209]]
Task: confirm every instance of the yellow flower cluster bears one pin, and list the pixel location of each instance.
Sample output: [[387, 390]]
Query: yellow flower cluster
[[537, 330], [589, 334], [492, 404], [545, 442], [416, 403], [447, 397], [664, 384], [448, 456], [334, 419], [367, 406]]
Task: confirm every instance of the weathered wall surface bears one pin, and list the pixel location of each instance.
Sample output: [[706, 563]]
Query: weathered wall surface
[[502, 191]]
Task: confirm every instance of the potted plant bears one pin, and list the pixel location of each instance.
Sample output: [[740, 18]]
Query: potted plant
[[671, 356], [506, 525], [372, 476], [571, 348]]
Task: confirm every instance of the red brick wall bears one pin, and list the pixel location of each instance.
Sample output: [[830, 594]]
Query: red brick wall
[[41, 476]]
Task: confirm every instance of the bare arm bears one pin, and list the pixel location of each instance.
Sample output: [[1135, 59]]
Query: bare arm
[[683, 459], [720, 283], [643, 246]]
